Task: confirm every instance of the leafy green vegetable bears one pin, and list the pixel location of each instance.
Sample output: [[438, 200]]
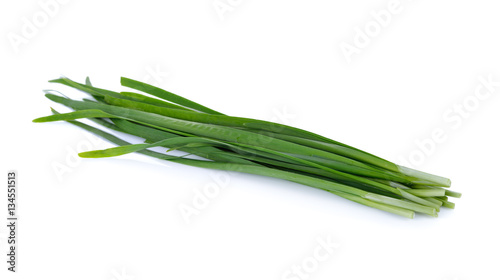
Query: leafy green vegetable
[[247, 145]]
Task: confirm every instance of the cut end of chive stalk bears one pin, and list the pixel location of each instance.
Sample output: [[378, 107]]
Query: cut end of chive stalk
[[449, 204], [453, 194], [419, 176]]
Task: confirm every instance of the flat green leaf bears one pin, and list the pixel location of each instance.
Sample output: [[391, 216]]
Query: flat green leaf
[[166, 95]]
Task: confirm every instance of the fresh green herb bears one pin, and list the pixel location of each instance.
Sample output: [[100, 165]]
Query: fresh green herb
[[164, 119]]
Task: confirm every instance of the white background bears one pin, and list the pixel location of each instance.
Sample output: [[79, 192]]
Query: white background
[[119, 218]]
